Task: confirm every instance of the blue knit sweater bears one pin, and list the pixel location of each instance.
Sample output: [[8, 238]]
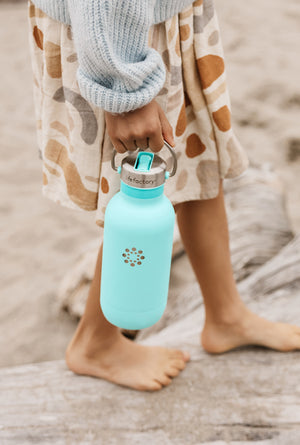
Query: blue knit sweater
[[117, 70]]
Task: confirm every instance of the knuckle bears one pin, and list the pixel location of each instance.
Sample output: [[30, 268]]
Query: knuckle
[[138, 136], [153, 126], [152, 130], [123, 136], [156, 149], [119, 147]]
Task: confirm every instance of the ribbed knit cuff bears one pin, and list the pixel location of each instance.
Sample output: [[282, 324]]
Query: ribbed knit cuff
[[118, 101], [56, 9], [168, 8]]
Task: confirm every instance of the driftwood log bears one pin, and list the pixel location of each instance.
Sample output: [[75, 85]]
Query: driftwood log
[[250, 395]]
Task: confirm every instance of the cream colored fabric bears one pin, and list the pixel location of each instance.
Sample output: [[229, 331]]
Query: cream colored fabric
[[72, 138]]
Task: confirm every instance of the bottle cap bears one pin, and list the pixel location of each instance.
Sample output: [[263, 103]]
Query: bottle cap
[[145, 169]]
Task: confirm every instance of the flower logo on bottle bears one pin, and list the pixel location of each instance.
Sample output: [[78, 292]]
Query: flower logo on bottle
[[133, 257]]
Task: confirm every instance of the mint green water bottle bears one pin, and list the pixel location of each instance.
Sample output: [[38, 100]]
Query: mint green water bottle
[[137, 242]]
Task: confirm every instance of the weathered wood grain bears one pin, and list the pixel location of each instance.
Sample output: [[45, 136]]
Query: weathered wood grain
[[258, 223], [250, 395]]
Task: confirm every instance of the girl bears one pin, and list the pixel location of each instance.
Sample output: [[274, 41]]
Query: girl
[[126, 74]]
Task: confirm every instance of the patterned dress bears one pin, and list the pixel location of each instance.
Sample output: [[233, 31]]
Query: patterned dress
[[72, 138]]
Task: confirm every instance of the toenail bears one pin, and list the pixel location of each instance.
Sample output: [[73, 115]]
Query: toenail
[[186, 355]]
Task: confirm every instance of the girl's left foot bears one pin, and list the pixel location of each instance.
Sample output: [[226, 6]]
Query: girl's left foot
[[248, 328]]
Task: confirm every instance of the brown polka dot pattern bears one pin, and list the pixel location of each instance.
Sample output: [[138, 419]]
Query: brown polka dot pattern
[[206, 171], [69, 32], [72, 58], [58, 154], [181, 180], [181, 122], [185, 32], [104, 185], [222, 118], [194, 146], [166, 59], [92, 179], [73, 141], [132, 257], [233, 157], [210, 67], [53, 59], [61, 128], [38, 37], [35, 12], [52, 170]]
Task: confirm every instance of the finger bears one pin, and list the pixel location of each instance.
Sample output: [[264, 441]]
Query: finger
[[129, 144], [156, 141], [167, 129], [118, 145], [142, 142]]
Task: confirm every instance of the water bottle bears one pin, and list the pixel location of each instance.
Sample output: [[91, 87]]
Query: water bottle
[[137, 242]]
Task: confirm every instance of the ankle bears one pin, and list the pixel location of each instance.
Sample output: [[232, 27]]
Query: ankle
[[90, 338], [229, 315]]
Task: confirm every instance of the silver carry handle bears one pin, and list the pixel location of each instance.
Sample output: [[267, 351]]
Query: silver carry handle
[[171, 149]]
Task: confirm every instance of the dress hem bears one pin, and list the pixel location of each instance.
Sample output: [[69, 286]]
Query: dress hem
[[199, 196]]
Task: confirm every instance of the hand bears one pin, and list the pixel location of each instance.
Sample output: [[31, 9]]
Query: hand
[[141, 128]]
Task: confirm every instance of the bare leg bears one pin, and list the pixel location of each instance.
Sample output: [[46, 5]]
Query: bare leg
[[228, 323], [99, 349]]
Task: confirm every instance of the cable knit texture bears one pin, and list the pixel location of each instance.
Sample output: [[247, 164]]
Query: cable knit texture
[[117, 70]]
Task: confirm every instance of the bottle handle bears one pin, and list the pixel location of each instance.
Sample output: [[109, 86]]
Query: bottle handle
[[171, 149]]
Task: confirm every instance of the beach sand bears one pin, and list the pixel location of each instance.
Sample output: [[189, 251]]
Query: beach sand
[[261, 44], [40, 239]]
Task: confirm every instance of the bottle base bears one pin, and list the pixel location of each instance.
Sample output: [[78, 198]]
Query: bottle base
[[131, 320]]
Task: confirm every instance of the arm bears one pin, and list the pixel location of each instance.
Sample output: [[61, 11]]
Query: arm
[[117, 70]]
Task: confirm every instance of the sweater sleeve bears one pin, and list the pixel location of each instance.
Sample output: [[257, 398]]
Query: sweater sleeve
[[117, 70]]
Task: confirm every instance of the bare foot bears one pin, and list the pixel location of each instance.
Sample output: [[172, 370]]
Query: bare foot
[[124, 362], [249, 329]]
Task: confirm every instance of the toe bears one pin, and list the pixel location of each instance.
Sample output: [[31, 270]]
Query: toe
[[151, 385], [179, 364], [173, 372], [164, 380], [186, 356], [297, 340], [154, 386], [177, 353]]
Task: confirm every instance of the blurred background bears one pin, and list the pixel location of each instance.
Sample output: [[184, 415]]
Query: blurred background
[[39, 240]]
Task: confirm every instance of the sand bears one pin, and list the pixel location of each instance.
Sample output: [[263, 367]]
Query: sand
[[262, 43], [40, 240]]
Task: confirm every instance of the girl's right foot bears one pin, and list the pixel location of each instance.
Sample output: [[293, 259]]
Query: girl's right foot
[[122, 361]]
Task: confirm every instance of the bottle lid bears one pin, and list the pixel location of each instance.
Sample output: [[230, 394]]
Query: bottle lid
[[145, 169]]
